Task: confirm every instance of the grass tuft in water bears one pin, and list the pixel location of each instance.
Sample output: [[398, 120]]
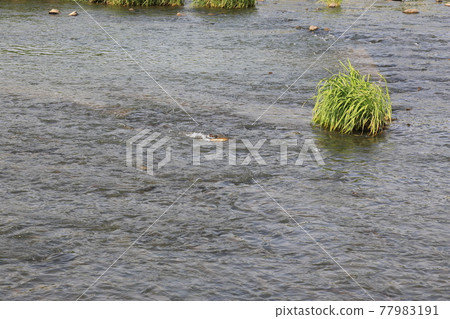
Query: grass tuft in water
[[227, 4], [142, 3], [349, 102], [334, 3]]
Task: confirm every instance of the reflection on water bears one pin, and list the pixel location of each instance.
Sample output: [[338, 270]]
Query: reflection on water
[[70, 99]]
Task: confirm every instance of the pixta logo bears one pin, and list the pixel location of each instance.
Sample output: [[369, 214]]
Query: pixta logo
[[143, 145], [251, 151]]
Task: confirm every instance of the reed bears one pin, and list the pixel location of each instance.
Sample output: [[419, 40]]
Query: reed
[[142, 3], [349, 102], [227, 4]]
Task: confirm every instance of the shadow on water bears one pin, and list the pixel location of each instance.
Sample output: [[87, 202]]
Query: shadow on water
[[342, 144]]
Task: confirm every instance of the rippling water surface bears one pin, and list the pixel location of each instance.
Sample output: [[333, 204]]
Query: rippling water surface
[[70, 98]]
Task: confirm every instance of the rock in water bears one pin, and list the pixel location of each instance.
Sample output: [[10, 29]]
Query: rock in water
[[411, 11], [333, 5], [54, 11], [73, 14], [179, 14], [448, 4], [313, 28]]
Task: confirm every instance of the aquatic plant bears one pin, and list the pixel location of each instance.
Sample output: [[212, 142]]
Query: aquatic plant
[[228, 4], [349, 102], [143, 3], [332, 3]]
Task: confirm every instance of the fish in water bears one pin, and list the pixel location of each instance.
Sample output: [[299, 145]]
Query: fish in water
[[209, 137]]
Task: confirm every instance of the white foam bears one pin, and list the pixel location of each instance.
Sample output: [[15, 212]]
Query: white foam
[[197, 135]]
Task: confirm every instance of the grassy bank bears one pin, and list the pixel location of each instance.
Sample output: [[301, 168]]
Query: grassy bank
[[136, 3], [228, 4]]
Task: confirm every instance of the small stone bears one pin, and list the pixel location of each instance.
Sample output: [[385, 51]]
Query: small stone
[[131, 9], [438, 0], [313, 28], [298, 27], [211, 14], [54, 11], [179, 14], [447, 4], [326, 29], [419, 89], [333, 5], [408, 109], [411, 11], [270, 73], [73, 14]]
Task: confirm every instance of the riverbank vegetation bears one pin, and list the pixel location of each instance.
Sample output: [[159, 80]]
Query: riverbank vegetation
[[349, 102], [332, 3], [143, 3], [227, 4]]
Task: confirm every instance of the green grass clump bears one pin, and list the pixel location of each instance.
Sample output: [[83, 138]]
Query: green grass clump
[[227, 4], [348, 103], [142, 3], [328, 2]]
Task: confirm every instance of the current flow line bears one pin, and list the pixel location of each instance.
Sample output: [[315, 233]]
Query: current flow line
[[134, 242], [313, 239], [315, 61], [138, 64]]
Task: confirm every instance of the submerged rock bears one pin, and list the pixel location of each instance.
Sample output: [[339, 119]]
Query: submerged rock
[[313, 28], [411, 11], [179, 14], [333, 5], [448, 4], [73, 14], [131, 9], [54, 11]]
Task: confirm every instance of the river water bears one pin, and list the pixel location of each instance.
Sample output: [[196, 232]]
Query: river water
[[70, 98]]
